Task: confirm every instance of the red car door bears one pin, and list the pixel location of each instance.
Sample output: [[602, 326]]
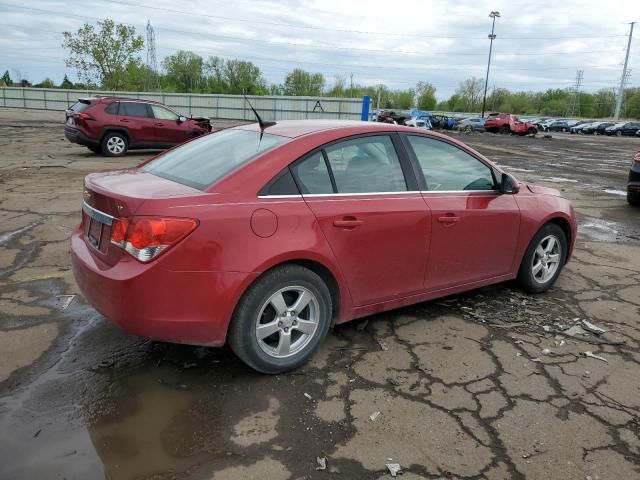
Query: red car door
[[137, 118], [377, 228], [168, 128], [474, 227]]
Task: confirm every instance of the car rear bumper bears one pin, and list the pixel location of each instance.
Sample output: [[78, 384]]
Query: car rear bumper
[[153, 301], [74, 135]]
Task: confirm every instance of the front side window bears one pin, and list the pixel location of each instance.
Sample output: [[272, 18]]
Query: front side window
[[162, 113], [132, 109], [448, 168], [200, 163], [366, 165]]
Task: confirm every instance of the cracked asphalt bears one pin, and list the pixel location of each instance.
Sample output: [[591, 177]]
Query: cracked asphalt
[[490, 384]]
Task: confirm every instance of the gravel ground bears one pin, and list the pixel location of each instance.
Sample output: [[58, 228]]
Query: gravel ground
[[490, 384]]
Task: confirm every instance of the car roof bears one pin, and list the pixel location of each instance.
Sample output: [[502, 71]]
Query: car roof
[[297, 128], [107, 99]]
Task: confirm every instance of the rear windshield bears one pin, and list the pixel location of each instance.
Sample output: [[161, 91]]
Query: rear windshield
[[79, 107], [202, 162]]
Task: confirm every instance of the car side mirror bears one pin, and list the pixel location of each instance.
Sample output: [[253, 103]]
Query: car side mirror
[[508, 184], [182, 119]]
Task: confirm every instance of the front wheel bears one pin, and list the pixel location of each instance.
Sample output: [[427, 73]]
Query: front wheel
[[532, 131], [505, 129], [619, 133], [543, 260], [633, 198], [281, 319]]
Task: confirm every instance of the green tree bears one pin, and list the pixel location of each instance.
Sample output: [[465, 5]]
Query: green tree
[[46, 83], [426, 96], [66, 83], [185, 71], [470, 95], [214, 75], [6, 78], [243, 77], [300, 82], [103, 55]]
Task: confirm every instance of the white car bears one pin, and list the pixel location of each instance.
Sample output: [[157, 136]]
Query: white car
[[421, 124]]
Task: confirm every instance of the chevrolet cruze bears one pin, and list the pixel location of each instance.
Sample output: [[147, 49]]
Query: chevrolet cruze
[[266, 237]]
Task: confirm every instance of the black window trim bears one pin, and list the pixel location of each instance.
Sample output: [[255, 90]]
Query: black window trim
[[422, 182], [406, 165]]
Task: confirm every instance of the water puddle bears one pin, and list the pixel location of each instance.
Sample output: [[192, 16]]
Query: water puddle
[[620, 193], [600, 230], [561, 180]]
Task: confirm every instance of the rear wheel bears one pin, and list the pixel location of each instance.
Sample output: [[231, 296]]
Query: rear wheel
[[543, 259], [619, 133], [633, 198], [532, 131], [281, 319], [505, 129], [114, 144]]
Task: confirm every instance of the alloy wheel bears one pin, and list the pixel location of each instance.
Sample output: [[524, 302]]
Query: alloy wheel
[[287, 321], [115, 145], [546, 259]]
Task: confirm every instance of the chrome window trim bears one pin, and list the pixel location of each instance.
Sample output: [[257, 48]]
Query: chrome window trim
[[460, 191], [97, 214], [281, 196]]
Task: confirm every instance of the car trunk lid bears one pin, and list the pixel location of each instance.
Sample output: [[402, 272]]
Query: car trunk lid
[[112, 195]]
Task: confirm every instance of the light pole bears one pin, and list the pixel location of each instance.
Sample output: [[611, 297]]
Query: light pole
[[492, 36]]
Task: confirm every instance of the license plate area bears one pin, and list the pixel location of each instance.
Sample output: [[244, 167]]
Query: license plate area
[[94, 233]]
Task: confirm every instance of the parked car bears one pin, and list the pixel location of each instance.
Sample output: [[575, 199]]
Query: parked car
[[508, 123], [474, 124], [558, 126], [579, 127], [623, 128], [602, 127], [590, 128], [115, 125], [633, 185], [264, 237], [417, 123]]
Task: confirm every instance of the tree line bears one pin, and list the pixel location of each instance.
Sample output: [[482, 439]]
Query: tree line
[[108, 57]]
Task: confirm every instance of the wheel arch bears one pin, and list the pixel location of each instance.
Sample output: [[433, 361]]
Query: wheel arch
[[564, 224], [122, 130]]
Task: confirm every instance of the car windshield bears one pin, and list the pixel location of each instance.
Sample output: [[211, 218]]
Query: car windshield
[[202, 162]]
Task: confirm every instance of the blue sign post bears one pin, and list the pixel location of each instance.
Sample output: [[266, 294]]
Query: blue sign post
[[366, 102]]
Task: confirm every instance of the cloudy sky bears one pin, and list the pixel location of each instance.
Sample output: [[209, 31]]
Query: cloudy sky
[[540, 44]]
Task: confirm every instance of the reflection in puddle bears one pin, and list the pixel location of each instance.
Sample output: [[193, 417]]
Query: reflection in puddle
[[598, 229], [620, 193]]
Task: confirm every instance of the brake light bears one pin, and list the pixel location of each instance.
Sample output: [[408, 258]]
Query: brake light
[[85, 116], [145, 238]]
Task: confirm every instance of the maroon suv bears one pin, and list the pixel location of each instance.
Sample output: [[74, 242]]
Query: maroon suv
[[114, 125]]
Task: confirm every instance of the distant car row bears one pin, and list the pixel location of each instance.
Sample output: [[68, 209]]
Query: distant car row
[[587, 127]]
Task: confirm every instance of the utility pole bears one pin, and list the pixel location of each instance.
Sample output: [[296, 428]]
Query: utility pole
[[152, 83], [492, 36], [616, 114], [575, 98]]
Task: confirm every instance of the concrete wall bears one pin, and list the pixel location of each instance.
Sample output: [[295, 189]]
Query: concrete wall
[[231, 107]]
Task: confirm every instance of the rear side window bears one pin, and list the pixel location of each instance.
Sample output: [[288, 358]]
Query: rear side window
[[200, 163], [366, 165], [133, 109], [162, 113], [112, 108], [312, 175], [448, 168]]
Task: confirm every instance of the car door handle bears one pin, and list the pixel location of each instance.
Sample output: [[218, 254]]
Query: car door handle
[[347, 222], [449, 219], [159, 124], [124, 120]]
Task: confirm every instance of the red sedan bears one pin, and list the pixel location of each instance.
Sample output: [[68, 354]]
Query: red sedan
[[265, 238]]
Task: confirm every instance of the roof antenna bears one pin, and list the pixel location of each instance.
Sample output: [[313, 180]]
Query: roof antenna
[[261, 122]]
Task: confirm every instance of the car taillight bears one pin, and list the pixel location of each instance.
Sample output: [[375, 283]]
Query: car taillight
[[85, 116], [145, 238]]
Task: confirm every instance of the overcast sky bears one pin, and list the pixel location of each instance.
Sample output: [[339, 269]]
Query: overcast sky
[[539, 45]]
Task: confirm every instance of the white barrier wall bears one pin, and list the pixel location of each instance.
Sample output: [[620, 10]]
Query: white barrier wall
[[231, 107]]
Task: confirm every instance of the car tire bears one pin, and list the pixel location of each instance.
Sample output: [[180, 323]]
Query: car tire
[[619, 133], [633, 198], [505, 129], [544, 259], [114, 144], [94, 149], [532, 131], [268, 305]]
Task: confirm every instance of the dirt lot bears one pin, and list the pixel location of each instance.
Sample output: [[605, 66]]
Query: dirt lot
[[488, 384]]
